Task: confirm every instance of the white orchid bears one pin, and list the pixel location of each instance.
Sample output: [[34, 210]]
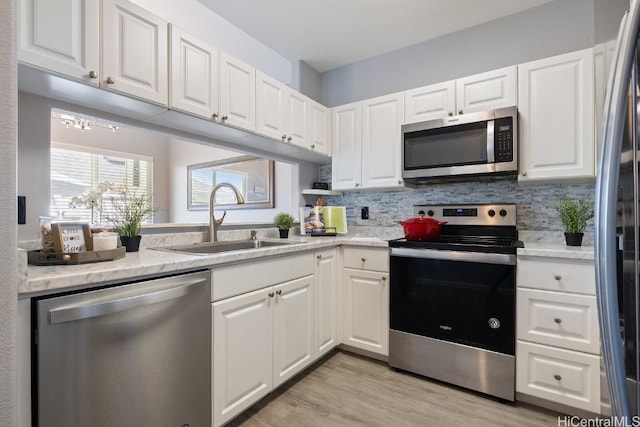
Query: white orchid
[[92, 198]]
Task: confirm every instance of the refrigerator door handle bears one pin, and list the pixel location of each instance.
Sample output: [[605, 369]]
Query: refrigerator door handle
[[73, 313], [616, 103]]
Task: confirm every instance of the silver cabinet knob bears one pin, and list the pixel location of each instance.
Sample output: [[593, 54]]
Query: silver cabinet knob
[[384, 278], [557, 377], [524, 173], [363, 259], [557, 320], [284, 137], [110, 80], [400, 182], [460, 112], [215, 116], [271, 294], [313, 146], [557, 277], [450, 113], [289, 139], [93, 74], [357, 185], [279, 292], [225, 117], [318, 256]]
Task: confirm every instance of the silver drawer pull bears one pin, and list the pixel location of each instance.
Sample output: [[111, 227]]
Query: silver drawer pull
[[557, 377], [363, 259], [271, 294], [557, 320], [557, 277]]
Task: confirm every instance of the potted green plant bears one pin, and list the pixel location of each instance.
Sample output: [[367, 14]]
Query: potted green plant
[[129, 210], [574, 216], [284, 222]]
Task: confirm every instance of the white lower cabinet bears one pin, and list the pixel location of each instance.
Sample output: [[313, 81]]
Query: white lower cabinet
[[326, 301], [558, 340], [366, 299]]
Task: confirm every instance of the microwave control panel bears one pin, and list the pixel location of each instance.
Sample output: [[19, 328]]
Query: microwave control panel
[[503, 143]]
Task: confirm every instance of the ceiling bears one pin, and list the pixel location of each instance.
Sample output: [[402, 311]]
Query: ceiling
[[327, 34]]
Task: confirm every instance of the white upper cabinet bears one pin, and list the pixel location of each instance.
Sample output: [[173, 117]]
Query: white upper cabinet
[[487, 91], [270, 107], [319, 121], [134, 51], [381, 121], [194, 75], [556, 117], [366, 143], [347, 143], [60, 36], [430, 102], [296, 114], [237, 93], [480, 92]]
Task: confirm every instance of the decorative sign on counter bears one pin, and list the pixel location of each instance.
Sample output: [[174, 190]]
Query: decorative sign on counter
[[71, 237]]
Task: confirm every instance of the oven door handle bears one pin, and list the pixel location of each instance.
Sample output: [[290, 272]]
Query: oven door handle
[[460, 256]]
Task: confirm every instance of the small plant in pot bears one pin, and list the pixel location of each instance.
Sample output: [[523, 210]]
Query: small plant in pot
[[284, 222], [129, 210], [574, 216]]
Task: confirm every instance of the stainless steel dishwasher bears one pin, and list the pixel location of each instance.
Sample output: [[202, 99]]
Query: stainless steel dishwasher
[[132, 355]]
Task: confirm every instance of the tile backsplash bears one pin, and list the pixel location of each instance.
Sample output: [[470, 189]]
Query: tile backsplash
[[535, 202]]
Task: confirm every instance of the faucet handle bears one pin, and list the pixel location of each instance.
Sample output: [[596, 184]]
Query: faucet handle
[[219, 221]]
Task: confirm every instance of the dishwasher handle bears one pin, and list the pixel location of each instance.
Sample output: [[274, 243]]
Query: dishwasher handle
[[79, 312]]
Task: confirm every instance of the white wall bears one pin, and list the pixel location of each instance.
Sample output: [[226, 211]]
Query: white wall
[[199, 21], [183, 154], [8, 273], [126, 140]]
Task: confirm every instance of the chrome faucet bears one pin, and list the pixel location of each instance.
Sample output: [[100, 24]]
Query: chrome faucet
[[213, 222]]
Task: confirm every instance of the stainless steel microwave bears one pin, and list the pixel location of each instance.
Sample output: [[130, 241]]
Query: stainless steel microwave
[[465, 145]]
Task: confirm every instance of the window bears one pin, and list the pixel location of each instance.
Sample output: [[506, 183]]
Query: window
[[253, 177], [75, 170]]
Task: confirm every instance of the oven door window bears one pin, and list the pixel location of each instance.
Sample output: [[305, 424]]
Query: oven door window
[[463, 302], [448, 146]]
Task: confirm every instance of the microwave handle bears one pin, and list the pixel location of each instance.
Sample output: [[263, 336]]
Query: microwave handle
[[491, 155]]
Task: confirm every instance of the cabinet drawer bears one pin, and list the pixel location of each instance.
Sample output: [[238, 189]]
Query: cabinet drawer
[[247, 277], [560, 319], [376, 259], [563, 376], [557, 275]]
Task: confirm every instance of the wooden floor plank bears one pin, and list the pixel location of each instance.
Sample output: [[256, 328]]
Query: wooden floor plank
[[350, 390]]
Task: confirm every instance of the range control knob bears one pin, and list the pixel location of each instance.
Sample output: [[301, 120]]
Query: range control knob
[[430, 212], [421, 212], [503, 212], [491, 213]]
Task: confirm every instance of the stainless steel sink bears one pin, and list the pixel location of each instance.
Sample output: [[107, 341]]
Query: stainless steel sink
[[218, 247]]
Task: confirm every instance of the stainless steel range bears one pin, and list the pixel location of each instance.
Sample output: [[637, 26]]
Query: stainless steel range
[[452, 301]]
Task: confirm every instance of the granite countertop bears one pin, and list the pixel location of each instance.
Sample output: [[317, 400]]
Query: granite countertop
[[41, 280], [557, 250]]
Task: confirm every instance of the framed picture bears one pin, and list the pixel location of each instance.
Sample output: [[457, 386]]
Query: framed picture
[[71, 237]]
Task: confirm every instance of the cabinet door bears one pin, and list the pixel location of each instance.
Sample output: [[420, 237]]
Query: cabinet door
[[60, 36], [366, 310], [194, 75], [134, 52], [292, 328], [242, 353], [270, 107], [296, 118], [319, 133], [237, 92], [381, 151], [430, 102], [347, 141], [326, 300], [486, 91], [556, 117]]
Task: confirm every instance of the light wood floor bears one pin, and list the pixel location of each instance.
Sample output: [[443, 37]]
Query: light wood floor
[[349, 390]]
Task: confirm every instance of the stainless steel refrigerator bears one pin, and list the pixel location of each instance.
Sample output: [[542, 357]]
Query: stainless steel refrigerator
[[617, 224]]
